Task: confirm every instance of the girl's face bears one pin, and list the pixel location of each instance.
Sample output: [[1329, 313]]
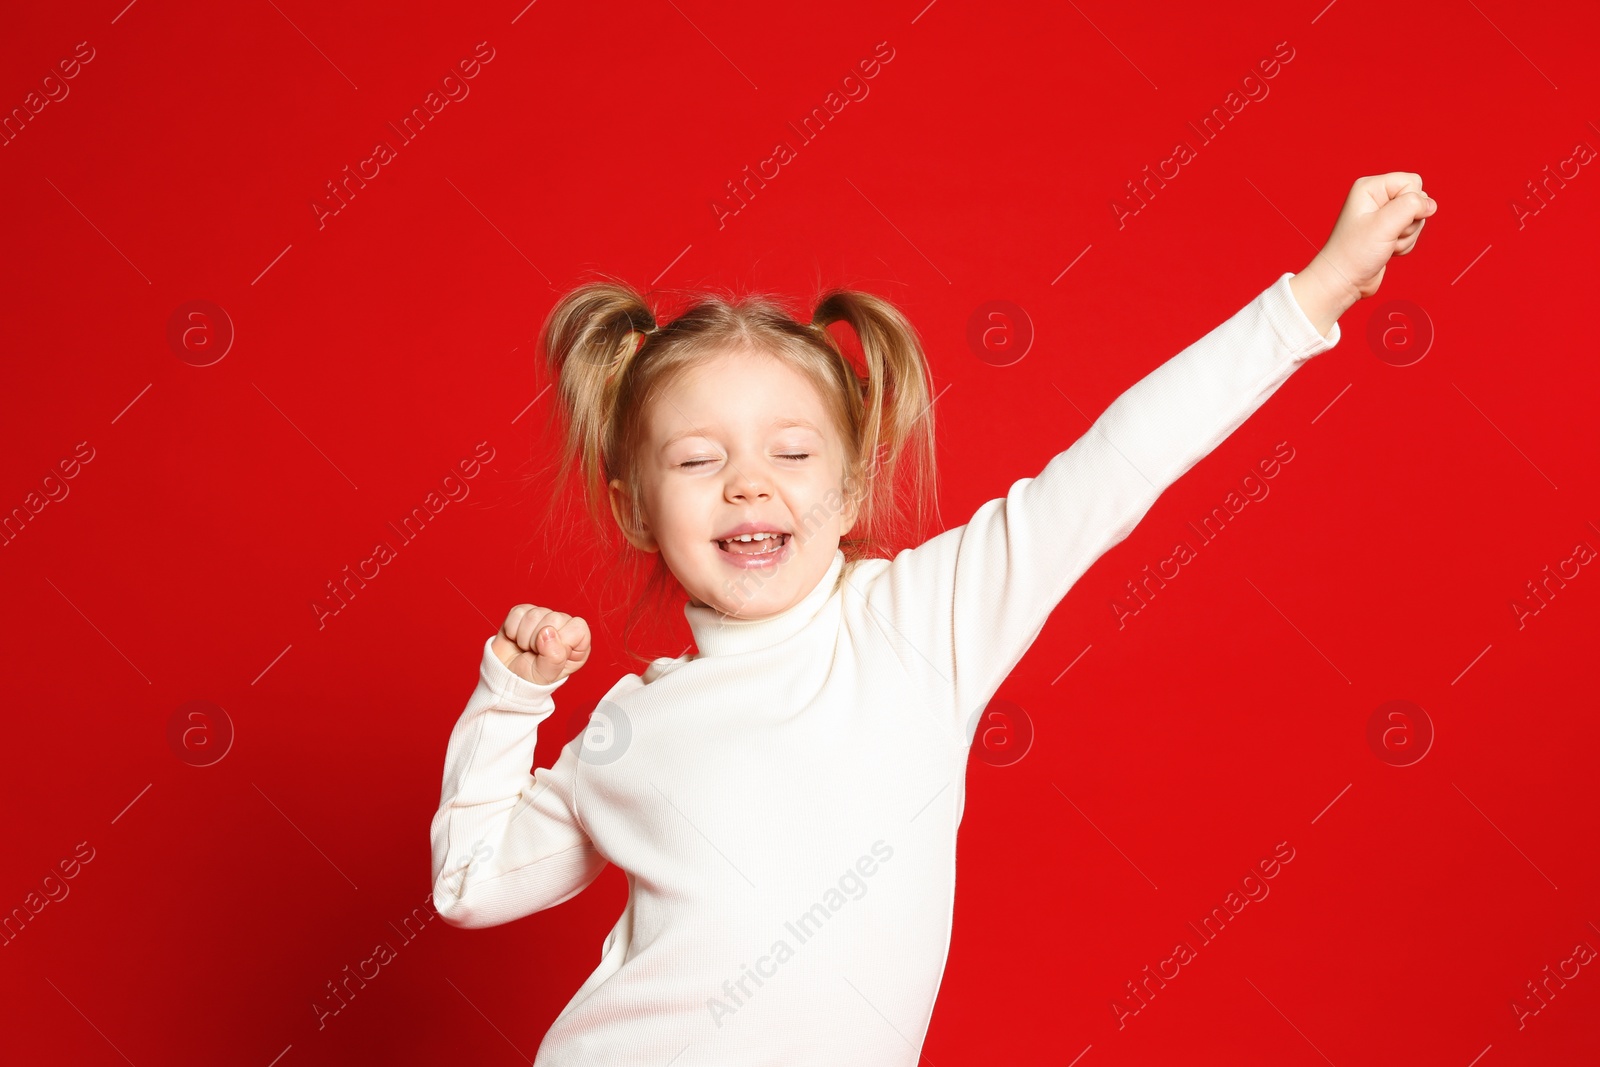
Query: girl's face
[[740, 440]]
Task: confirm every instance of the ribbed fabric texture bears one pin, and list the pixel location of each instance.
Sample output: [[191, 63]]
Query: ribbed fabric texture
[[784, 802]]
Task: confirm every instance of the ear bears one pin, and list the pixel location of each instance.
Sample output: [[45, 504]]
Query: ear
[[622, 511]]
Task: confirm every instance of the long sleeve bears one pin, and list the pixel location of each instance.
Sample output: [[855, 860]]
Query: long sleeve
[[506, 843], [966, 605]]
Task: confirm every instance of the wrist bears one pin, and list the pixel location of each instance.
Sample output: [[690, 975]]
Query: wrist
[[1323, 293]]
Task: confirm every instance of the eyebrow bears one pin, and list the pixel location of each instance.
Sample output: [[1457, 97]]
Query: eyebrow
[[704, 431]]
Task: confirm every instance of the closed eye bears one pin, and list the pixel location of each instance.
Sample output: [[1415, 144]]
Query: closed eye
[[790, 455]]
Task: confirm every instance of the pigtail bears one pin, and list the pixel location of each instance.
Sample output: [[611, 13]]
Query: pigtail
[[896, 414], [588, 340]]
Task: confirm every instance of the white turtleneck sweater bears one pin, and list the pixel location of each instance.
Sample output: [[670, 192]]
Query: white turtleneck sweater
[[785, 801]]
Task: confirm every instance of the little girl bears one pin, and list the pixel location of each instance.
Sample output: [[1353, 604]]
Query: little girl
[[784, 802]]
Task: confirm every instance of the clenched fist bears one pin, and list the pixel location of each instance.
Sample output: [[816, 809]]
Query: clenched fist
[[541, 645], [1382, 217]]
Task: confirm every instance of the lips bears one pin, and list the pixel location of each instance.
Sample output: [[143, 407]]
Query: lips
[[765, 558], [768, 544], [749, 528]]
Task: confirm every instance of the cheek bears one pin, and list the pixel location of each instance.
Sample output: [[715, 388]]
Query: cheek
[[817, 511], [687, 513]]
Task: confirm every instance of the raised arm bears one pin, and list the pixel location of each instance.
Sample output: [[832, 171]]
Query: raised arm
[[506, 843], [965, 605]]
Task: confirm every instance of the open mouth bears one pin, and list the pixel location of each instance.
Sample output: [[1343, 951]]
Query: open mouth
[[758, 550]]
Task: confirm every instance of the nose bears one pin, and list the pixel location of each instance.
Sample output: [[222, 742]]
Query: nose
[[746, 485]]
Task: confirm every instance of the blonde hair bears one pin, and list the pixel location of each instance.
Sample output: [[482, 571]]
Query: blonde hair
[[607, 357]]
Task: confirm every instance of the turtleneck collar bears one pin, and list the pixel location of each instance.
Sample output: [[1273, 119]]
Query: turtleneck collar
[[716, 634]]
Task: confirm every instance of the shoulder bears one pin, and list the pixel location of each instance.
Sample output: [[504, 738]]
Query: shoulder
[[866, 565], [661, 666], [858, 574]]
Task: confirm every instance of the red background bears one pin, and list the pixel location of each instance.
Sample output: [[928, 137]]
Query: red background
[[374, 352]]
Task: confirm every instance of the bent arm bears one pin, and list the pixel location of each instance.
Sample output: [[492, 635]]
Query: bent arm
[[506, 843], [969, 602]]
